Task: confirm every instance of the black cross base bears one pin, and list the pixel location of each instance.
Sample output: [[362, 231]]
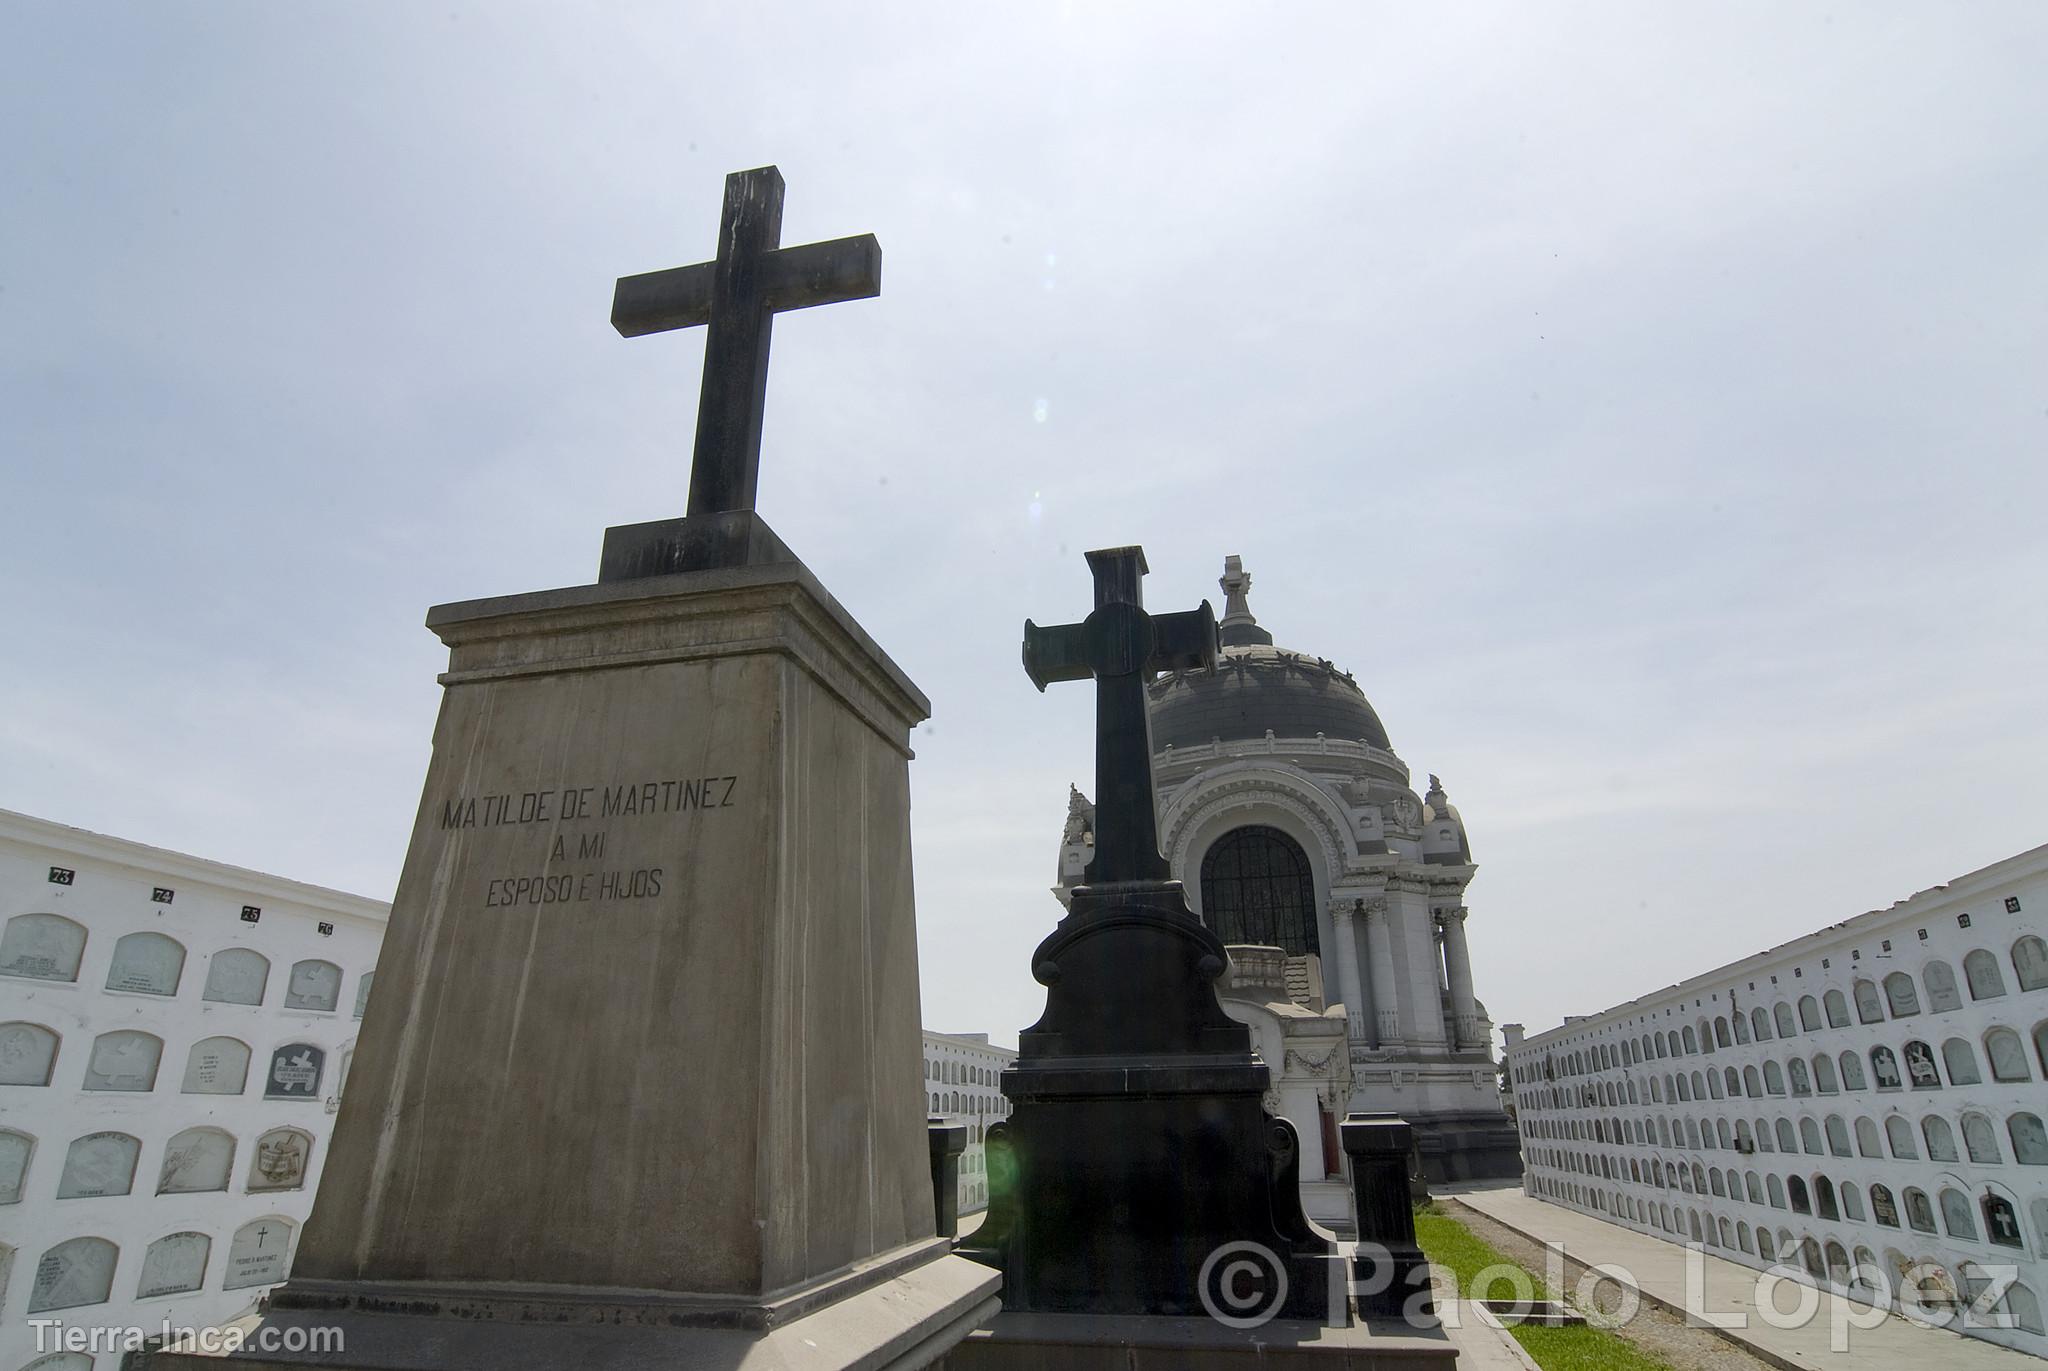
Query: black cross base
[[700, 542]]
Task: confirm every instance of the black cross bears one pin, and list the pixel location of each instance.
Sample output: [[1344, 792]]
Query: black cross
[[1121, 646], [738, 295]]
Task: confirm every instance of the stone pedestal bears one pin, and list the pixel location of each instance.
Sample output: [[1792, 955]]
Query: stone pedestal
[[1391, 1273], [948, 1141], [1469, 1146], [642, 1069], [1138, 1148]]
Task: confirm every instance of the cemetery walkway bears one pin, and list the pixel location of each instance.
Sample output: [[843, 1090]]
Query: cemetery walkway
[[1838, 1330]]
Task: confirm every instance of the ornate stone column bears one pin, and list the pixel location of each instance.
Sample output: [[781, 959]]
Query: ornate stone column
[[1379, 951], [1458, 966], [1357, 1009]]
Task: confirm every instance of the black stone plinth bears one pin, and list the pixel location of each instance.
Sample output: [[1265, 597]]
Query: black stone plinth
[[1137, 1148], [1473, 1146], [701, 542], [1391, 1273], [948, 1141]]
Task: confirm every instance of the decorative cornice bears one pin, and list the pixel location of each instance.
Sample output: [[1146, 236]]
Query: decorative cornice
[[1314, 1066], [1282, 789]]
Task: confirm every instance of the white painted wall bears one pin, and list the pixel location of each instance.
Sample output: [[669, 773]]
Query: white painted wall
[[1572, 1089], [963, 1075], [112, 895]]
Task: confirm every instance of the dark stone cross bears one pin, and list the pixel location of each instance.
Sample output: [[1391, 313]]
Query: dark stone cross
[[1122, 647], [737, 296]]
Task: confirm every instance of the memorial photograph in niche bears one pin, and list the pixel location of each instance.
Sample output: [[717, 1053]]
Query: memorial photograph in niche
[[257, 1256], [197, 1160], [237, 975], [216, 1066], [99, 1164], [294, 1073], [15, 1151], [174, 1264], [43, 947], [73, 1273], [280, 1160], [146, 964], [313, 985], [123, 1060], [28, 1051]]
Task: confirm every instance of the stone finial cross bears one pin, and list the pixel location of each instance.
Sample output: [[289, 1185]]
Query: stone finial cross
[[1121, 646], [737, 296]]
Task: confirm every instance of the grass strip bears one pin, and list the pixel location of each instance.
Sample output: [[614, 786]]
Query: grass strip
[[1468, 1257]]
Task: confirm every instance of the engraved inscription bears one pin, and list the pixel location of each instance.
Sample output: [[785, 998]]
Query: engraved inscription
[[593, 805]]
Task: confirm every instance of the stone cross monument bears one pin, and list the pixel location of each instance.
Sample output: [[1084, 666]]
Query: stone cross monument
[[1138, 1146], [736, 296], [640, 1084], [1122, 647]]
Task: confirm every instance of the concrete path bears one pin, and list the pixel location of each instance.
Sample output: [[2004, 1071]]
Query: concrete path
[[1839, 1330]]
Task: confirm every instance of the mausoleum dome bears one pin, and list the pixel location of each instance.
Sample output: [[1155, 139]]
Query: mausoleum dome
[[1257, 687]]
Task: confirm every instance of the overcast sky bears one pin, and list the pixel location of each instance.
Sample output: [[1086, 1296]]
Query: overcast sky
[[1648, 403]]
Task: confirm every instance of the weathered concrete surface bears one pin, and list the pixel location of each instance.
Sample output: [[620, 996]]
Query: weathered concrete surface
[[647, 1015], [1112, 1342], [904, 1324], [1842, 1332]]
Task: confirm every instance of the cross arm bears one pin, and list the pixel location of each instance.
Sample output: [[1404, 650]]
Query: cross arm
[[1062, 652], [1183, 641], [657, 301], [823, 273], [791, 278]]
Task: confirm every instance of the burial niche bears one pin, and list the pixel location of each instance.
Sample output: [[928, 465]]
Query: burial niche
[[146, 964], [237, 975], [27, 1053], [1942, 994], [1257, 889], [363, 992], [123, 1060], [294, 1073], [196, 1160], [42, 947], [73, 1273], [216, 1066], [257, 1256], [99, 1164], [1920, 1067], [2001, 1221], [2030, 962], [314, 984], [280, 1160], [15, 1150], [174, 1264]]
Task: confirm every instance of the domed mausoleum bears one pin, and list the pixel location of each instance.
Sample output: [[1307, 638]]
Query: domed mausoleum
[[1340, 892]]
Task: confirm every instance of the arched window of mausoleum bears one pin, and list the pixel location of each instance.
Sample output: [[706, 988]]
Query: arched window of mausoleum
[[1257, 888]]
